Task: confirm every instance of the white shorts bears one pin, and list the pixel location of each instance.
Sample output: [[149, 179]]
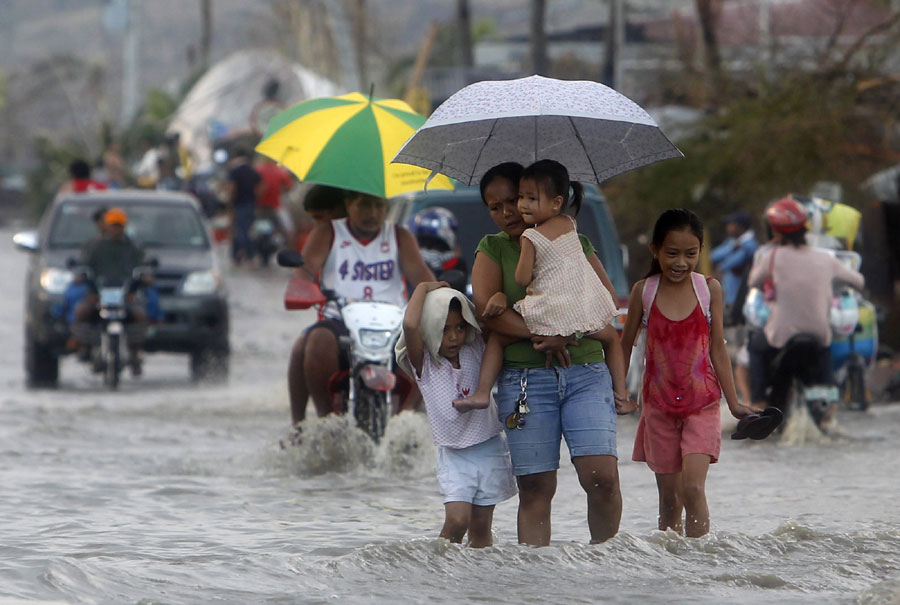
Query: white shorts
[[480, 474]]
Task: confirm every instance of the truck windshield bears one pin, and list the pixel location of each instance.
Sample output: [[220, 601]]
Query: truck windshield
[[149, 225]]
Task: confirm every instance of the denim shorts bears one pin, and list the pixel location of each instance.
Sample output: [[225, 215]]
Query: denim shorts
[[575, 403]]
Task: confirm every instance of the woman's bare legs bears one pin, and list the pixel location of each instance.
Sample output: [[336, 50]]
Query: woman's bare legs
[[536, 493]]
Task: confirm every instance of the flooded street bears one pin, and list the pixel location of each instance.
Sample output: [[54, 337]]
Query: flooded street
[[168, 492]]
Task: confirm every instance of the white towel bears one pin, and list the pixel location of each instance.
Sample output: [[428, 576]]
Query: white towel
[[434, 316]]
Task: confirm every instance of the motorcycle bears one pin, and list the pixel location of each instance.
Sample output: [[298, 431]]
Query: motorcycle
[[266, 239], [796, 380], [110, 336], [371, 387]]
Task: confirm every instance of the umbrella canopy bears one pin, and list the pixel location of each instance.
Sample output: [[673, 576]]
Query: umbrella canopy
[[348, 142], [594, 131]]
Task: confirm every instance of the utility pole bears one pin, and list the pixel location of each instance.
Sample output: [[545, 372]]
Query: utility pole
[[464, 27], [615, 42], [205, 33], [538, 37], [360, 42], [130, 62]]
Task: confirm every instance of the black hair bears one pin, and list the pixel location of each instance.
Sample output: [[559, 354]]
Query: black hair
[[794, 238], [554, 179], [323, 197], [511, 171], [674, 219], [99, 213], [79, 169], [455, 305]]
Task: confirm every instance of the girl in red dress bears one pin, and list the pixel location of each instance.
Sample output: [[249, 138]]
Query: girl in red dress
[[687, 372]]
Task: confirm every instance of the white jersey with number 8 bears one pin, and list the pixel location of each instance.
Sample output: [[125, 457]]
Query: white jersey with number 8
[[364, 271]]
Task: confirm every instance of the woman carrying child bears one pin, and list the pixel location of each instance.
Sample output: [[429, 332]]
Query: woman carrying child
[[572, 398], [441, 348], [687, 372]]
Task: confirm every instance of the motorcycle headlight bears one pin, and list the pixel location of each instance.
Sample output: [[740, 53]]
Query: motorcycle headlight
[[55, 281], [200, 282], [374, 339]]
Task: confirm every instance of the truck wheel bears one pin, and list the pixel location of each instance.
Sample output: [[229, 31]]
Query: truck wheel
[[41, 366], [209, 365]]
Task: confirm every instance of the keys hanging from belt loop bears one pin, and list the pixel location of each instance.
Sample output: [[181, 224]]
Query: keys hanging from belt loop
[[516, 420]]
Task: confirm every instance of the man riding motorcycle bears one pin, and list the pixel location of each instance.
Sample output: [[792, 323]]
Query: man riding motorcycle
[[361, 256], [112, 260], [435, 231], [799, 280]]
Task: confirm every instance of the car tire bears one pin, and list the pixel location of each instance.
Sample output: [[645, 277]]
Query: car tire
[[209, 365], [41, 365]]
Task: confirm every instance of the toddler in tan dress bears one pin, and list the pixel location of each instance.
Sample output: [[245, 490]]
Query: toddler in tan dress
[[564, 294]]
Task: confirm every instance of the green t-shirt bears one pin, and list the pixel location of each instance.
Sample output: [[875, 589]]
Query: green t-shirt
[[505, 252]]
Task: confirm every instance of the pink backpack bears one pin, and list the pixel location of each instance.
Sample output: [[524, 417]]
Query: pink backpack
[[701, 289]]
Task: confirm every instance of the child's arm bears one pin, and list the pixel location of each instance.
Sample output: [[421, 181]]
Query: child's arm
[[600, 270], [525, 268], [615, 361], [496, 305], [415, 347], [719, 355], [632, 321]]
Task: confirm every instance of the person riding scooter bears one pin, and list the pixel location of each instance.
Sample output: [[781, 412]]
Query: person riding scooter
[[435, 231], [361, 256], [112, 261], [798, 281]]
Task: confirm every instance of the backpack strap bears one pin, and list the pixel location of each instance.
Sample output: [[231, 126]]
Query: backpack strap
[[701, 289], [648, 293]]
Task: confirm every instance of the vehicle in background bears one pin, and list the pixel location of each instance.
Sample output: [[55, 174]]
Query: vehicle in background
[[172, 230], [594, 221]]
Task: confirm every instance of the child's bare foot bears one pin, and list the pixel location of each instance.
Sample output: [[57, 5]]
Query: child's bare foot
[[624, 405], [475, 402]]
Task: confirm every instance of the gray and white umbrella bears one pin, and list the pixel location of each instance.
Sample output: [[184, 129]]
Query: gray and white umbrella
[[594, 131]]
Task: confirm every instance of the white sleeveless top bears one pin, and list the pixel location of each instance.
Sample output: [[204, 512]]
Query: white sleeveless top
[[364, 271]]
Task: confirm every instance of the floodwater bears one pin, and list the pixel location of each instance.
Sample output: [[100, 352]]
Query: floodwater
[[166, 492]]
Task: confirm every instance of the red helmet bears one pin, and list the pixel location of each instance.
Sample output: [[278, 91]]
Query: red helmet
[[786, 215]]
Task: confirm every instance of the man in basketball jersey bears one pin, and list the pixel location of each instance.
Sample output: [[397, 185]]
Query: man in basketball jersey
[[361, 256]]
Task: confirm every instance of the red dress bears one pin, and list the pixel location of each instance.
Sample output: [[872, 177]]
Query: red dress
[[681, 394]]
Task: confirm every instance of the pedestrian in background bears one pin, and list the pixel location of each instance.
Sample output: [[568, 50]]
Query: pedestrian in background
[[244, 185]]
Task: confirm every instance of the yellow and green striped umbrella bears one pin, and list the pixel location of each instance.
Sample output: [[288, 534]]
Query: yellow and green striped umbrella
[[348, 142]]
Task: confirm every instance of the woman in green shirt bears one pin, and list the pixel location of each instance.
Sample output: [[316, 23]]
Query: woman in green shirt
[[568, 386]]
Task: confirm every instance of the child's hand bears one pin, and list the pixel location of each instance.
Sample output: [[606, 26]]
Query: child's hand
[[496, 305], [475, 402], [624, 404], [428, 286], [739, 410]]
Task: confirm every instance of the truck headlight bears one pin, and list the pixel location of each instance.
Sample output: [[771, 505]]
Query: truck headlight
[[200, 282], [55, 281], [374, 339]]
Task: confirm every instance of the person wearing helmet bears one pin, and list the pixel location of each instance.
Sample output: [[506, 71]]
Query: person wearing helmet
[[435, 230], [800, 285], [112, 260]]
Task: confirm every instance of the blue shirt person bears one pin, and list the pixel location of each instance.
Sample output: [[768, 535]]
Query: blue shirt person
[[735, 255]]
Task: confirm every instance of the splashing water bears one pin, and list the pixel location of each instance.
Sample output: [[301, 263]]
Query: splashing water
[[334, 444]]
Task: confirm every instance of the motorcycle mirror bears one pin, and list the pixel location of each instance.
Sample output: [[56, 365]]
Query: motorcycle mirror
[[153, 263], [454, 277], [71, 262], [289, 258]]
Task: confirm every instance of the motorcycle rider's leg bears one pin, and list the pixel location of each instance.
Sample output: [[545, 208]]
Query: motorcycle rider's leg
[[297, 390], [693, 495], [760, 354], [320, 362], [82, 329], [480, 526], [136, 332]]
